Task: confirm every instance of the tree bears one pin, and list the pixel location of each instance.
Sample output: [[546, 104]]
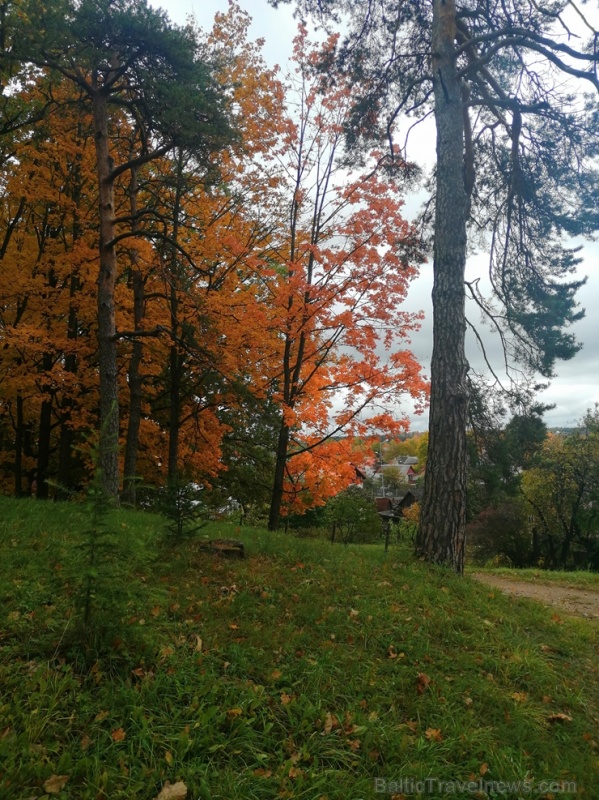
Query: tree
[[122, 54], [515, 146], [341, 262], [562, 493]]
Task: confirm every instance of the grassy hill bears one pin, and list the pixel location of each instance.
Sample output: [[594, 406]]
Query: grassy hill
[[307, 670]]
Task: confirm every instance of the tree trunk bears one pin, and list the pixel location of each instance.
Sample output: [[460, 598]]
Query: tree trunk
[[43, 450], [108, 457], [65, 443], [19, 435], [276, 500], [442, 533], [135, 376], [175, 359]]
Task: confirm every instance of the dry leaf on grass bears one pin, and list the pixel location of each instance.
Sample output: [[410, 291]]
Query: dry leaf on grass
[[119, 735], [433, 735], [172, 791], [559, 717], [55, 784]]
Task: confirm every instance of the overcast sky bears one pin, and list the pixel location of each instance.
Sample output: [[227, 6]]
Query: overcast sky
[[577, 386]]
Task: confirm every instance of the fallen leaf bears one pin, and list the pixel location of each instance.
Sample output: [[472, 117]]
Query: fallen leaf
[[166, 651], [199, 644], [234, 712], [519, 697], [484, 768], [262, 773], [354, 613], [55, 784], [100, 716], [233, 626], [275, 674], [331, 722], [433, 735], [423, 682], [85, 741], [559, 717], [168, 757], [155, 612], [468, 701], [295, 772], [118, 735], [354, 744], [286, 698], [172, 791]]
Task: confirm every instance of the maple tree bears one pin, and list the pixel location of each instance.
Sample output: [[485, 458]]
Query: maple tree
[[341, 268], [515, 165], [47, 257]]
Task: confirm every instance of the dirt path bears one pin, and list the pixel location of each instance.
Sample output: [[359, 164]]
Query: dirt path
[[578, 602]]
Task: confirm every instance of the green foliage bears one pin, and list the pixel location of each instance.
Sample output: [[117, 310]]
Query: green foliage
[[180, 504], [140, 57], [501, 533], [306, 669], [562, 494], [353, 517]]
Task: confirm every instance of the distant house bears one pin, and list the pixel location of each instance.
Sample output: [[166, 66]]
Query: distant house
[[383, 504], [408, 472], [361, 474], [408, 499]]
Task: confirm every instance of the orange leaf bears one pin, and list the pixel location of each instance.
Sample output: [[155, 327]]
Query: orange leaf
[[118, 735], [423, 682], [433, 735]]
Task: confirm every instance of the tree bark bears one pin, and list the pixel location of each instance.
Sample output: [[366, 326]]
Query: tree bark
[[175, 358], [274, 516], [135, 376], [43, 450], [108, 457], [442, 532], [19, 436]]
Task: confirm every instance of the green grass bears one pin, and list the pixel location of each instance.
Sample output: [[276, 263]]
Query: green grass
[[575, 580], [307, 670]]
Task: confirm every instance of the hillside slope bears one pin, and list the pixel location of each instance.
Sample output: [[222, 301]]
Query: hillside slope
[[307, 670]]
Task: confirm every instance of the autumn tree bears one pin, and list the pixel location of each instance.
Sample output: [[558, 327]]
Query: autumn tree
[[515, 147], [46, 317], [127, 56], [338, 276]]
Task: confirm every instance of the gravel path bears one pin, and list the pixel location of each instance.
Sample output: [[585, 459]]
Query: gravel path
[[578, 602]]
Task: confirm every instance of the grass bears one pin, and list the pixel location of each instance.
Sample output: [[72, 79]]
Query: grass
[[573, 580], [308, 670]]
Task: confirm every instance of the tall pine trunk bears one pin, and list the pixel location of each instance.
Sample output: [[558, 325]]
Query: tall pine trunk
[[135, 375], [108, 457], [442, 532], [176, 363]]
